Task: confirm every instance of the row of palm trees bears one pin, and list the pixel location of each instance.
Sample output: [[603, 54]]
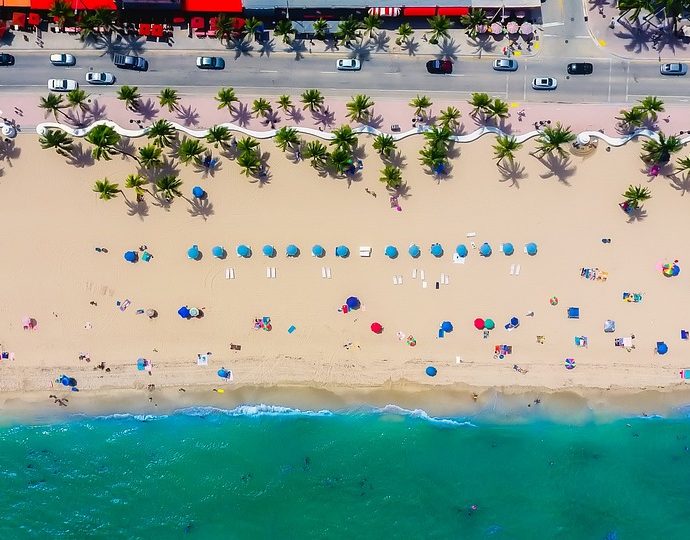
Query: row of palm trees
[[646, 110]]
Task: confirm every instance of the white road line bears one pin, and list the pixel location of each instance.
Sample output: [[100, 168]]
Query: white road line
[[456, 74], [392, 73], [267, 71], [681, 98], [610, 70], [550, 24], [627, 80], [329, 72], [524, 85]]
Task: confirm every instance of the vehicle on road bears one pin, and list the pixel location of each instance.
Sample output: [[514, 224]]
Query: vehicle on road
[[62, 59], [580, 68], [544, 83], [127, 61], [6, 59], [505, 64], [100, 77], [210, 62], [62, 85], [348, 64], [673, 69], [439, 66]]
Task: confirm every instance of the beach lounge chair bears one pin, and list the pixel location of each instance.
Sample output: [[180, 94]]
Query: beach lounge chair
[[684, 334], [512, 269], [573, 312], [517, 270], [685, 374], [609, 326], [581, 341], [323, 272], [364, 251]]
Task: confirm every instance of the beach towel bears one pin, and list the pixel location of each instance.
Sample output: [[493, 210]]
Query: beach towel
[[581, 341], [685, 374], [202, 359], [573, 312]]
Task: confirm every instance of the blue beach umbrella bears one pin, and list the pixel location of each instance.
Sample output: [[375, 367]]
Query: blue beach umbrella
[[64, 380], [353, 302], [461, 250], [218, 251], [436, 250], [431, 371], [318, 251], [514, 322], [141, 364], [661, 347], [391, 252], [485, 250], [292, 250], [269, 250], [193, 252], [223, 373], [342, 251], [183, 312], [244, 251], [198, 192], [131, 256], [531, 248], [508, 248], [414, 251], [447, 326]]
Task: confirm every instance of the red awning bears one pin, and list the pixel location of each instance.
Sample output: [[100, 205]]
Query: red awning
[[42, 4], [238, 23], [217, 6], [419, 11], [34, 19], [93, 4], [385, 11], [157, 30], [453, 11], [19, 19], [197, 23], [144, 29]]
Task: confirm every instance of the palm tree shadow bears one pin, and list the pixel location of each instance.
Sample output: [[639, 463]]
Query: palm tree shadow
[[411, 46], [271, 118], [9, 151], [448, 49], [374, 121], [137, 208], [324, 116], [558, 166], [240, 46], [261, 179], [200, 208], [681, 184], [381, 41], [161, 202], [208, 170], [482, 45], [147, 110], [637, 214], [267, 47], [359, 152], [80, 156], [188, 116], [241, 114], [512, 172], [403, 190], [397, 159], [126, 146], [637, 37], [111, 44], [295, 115], [331, 44], [298, 47], [360, 50], [95, 111]]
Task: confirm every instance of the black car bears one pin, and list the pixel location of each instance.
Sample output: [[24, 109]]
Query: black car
[[127, 61], [6, 59], [580, 68], [439, 66]]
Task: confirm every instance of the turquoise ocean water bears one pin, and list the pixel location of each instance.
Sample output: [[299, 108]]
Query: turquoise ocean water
[[268, 472]]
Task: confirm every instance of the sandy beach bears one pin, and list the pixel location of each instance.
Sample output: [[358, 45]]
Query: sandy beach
[[53, 221]]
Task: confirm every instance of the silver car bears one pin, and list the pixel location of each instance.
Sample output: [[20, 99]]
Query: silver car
[[505, 64], [544, 83], [673, 69], [348, 64], [95, 77], [62, 85], [62, 59]]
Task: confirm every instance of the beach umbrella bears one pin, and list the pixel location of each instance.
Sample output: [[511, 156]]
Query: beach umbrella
[[376, 328], [461, 250], [526, 29], [431, 371], [131, 256], [269, 250], [183, 312], [151, 313], [342, 251], [515, 322], [512, 27], [531, 248], [414, 250], [436, 250], [661, 347], [508, 248], [218, 251], [223, 373], [479, 323], [193, 252], [193, 312], [496, 28], [447, 326], [141, 364], [482, 29], [352, 302], [292, 250], [65, 380], [391, 252], [485, 250], [489, 324], [198, 192], [318, 251], [244, 251]]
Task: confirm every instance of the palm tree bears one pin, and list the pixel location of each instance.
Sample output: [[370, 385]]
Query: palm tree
[[261, 107], [432, 156], [439, 26], [104, 140], [405, 32], [391, 176], [105, 18], [320, 28], [551, 139], [287, 136], [87, 26], [683, 165], [190, 150], [312, 99], [632, 118], [106, 190], [480, 102], [130, 95], [475, 18], [251, 25], [340, 160], [137, 183], [169, 98], [61, 11], [317, 152], [348, 30], [344, 138], [371, 23], [651, 105], [497, 108], [169, 185], [226, 97], [358, 107], [225, 26], [150, 156], [449, 117], [162, 132], [284, 28], [78, 98], [505, 147], [58, 139], [635, 195], [659, 151], [247, 144], [420, 104], [384, 144], [285, 103], [439, 137], [219, 136], [249, 163], [637, 6], [53, 104]]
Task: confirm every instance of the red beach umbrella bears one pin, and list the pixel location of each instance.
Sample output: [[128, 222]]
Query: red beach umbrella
[[479, 324], [376, 328]]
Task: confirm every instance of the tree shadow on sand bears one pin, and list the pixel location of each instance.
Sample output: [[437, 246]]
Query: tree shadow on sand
[[209, 170], [637, 214], [200, 208], [138, 208], [402, 191], [80, 156], [397, 159], [513, 172], [9, 151], [559, 167]]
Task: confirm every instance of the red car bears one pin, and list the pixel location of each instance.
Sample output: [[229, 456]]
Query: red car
[[439, 66]]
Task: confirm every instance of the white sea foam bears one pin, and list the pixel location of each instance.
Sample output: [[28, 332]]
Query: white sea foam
[[421, 414], [252, 410]]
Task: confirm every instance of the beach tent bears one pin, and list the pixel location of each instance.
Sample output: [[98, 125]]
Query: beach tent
[[461, 250], [485, 250], [661, 347], [318, 251], [479, 323], [342, 251], [218, 251], [447, 326], [573, 312], [269, 250], [244, 251], [131, 256], [183, 312], [193, 252], [531, 248], [489, 324], [391, 252], [198, 192], [508, 248], [431, 371], [223, 373], [414, 250], [436, 250], [376, 327], [352, 302], [292, 250]]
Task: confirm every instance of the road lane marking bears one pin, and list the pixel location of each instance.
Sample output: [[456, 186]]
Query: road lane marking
[[267, 71], [610, 70], [550, 24], [328, 72], [627, 80]]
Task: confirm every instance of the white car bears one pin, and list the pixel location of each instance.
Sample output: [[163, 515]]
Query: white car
[[673, 69], [544, 83], [62, 59], [348, 64], [102, 77], [210, 62], [505, 64], [62, 85]]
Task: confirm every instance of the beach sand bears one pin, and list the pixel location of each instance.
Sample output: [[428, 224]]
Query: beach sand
[[53, 221]]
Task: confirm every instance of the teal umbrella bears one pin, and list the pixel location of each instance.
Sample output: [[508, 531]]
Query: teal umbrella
[[244, 251], [318, 251], [485, 250], [461, 250], [218, 251], [193, 252], [342, 251], [414, 250], [391, 252], [292, 250], [269, 250], [436, 250]]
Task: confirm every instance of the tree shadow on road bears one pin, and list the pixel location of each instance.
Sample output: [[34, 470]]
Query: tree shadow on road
[[411, 46], [448, 50], [240, 46]]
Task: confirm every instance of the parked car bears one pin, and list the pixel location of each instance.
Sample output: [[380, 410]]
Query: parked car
[[505, 64], [439, 66], [62, 59], [673, 69], [348, 64], [6, 59], [544, 83], [100, 77], [62, 85], [127, 61], [580, 68], [210, 62]]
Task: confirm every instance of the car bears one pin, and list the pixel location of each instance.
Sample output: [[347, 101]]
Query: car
[[673, 69], [62, 85], [505, 64], [544, 83], [127, 61], [6, 59], [348, 64], [62, 59], [580, 68], [210, 62], [100, 77], [439, 66]]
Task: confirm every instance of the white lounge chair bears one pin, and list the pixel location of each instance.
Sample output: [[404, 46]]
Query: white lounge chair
[[364, 251]]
